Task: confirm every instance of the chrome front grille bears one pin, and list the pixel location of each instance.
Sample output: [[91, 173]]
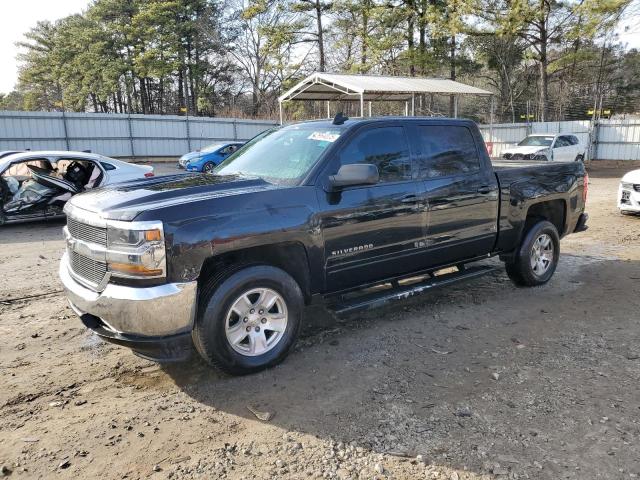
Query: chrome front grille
[[87, 268], [88, 233]]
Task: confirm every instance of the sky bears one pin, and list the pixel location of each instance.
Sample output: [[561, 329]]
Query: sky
[[18, 16]]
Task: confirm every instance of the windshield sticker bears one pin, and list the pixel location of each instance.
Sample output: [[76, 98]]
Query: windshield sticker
[[324, 136]]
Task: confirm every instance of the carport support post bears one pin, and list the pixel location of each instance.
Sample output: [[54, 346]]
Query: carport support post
[[491, 109], [369, 107], [328, 109], [362, 105], [280, 106], [455, 106], [413, 104]]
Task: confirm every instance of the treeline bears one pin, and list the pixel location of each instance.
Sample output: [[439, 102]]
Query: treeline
[[544, 59]]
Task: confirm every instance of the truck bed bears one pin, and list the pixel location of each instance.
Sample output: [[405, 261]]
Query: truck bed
[[551, 173]]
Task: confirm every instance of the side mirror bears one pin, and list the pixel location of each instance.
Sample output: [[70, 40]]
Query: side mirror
[[355, 174]]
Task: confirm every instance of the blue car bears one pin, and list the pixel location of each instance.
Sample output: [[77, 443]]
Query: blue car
[[205, 159]]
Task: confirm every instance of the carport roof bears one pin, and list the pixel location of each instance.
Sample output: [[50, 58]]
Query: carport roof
[[333, 86]]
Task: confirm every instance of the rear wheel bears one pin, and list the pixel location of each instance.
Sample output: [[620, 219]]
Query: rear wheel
[[248, 319], [579, 158], [208, 167], [536, 260]]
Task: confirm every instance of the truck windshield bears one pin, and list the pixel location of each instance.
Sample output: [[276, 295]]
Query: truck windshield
[[281, 155], [536, 141]]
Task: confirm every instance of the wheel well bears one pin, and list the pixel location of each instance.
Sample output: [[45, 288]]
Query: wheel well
[[553, 211], [290, 257]]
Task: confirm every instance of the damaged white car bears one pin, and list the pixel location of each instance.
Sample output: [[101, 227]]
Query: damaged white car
[[547, 147], [36, 185], [629, 193]]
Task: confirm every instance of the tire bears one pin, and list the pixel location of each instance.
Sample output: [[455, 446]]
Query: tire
[[541, 242], [208, 167], [579, 158], [223, 316]]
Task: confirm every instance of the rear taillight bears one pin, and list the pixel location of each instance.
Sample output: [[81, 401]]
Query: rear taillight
[[585, 189], [148, 174]]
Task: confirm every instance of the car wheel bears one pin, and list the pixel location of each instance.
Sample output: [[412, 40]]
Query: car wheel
[[248, 319], [537, 257], [579, 158], [541, 158], [208, 167]]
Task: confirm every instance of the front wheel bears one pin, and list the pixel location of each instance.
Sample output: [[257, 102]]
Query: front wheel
[[208, 167], [249, 319], [536, 260]]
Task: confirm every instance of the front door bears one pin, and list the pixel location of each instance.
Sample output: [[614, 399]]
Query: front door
[[372, 232], [461, 192], [563, 150]]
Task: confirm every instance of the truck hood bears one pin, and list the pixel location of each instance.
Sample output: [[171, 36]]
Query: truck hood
[[632, 177], [124, 201], [525, 150]]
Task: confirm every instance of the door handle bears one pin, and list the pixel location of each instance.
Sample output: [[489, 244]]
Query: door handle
[[410, 199], [484, 189]]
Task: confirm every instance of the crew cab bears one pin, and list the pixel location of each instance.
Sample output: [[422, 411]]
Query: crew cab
[[349, 213]]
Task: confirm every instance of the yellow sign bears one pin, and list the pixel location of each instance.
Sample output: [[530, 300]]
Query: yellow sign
[[183, 109]]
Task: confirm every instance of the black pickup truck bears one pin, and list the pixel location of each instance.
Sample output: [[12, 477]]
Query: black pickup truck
[[351, 213]]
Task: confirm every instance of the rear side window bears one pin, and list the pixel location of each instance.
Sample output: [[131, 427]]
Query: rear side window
[[107, 166], [562, 142], [446, 150], [385, 147]]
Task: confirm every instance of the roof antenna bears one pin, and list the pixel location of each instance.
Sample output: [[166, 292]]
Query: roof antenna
[[339, 119]]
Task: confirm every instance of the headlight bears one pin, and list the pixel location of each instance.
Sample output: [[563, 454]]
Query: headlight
[[136, 249]]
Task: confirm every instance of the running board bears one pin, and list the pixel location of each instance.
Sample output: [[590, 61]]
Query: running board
[[368, 301]]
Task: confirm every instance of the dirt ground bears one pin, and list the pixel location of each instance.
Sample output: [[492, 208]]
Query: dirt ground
[[479, 381]]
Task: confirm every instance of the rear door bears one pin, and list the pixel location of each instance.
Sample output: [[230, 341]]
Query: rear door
[[461, 192], [371, 232]]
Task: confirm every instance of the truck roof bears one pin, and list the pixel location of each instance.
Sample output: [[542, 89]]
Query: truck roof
[[368, 120]]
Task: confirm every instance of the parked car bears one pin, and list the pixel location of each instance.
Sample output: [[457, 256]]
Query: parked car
[[206, 159], [629, 193], [308, 213], [36, 185], [547, 147]]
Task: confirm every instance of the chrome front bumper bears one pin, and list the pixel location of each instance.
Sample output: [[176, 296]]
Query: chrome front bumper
[[159, 311]]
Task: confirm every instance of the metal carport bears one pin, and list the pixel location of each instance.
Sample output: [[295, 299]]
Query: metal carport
[[371, 88]]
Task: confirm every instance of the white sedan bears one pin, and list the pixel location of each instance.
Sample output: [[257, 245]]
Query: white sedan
[[36, 185], [629, 193], [547, 147]]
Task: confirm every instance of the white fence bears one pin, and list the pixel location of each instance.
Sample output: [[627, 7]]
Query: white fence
[[120, 135], [605, 139]]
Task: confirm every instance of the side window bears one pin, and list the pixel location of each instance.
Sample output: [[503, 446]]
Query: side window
[[107, 166], [574, 140], [21, 170], [446, 150], [384, 147], [561, 142]]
